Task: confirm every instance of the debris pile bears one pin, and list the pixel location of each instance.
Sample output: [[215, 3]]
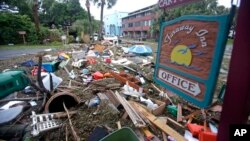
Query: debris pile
[[96, 92]]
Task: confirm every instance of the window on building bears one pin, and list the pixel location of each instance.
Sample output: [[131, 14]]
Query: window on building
[[137, 24], [142, 23], [130, 25], [149, 22]]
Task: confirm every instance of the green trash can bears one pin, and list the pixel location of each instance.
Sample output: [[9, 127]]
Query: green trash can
[[123, 134], [12, 81]]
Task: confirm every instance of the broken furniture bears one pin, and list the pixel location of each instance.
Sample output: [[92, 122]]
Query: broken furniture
[[42, 123]]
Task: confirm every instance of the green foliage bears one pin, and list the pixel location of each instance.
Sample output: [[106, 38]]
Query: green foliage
[[108, 3], [10, 25], [71, 39], [64, 13], [60, 14], [205, 7], [55, 35], [83, 26]]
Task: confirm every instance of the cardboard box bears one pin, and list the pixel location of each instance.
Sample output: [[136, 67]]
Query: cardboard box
[[158, 111]]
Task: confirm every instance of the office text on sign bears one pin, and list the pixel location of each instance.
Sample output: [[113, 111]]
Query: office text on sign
[[177, 81]]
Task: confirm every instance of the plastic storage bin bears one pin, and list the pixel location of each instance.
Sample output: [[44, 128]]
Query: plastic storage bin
[[123, 134], [51, 66]]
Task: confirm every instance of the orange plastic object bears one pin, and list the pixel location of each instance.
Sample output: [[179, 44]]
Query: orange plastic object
[[207, 136], [195, 129], [107, 74], [97, 75]]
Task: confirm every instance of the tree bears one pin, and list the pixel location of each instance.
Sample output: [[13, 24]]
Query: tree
[[102, 3], [34, 5], [87, 4], [205, 7]]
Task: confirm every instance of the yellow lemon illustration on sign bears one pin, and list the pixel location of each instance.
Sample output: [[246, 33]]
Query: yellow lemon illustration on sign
[[181, 55]]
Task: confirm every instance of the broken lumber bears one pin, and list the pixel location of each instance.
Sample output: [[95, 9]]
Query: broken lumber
[[160, 124], [71, 125], [136, 119], [174, 122], [147, 133], [119, 124], [179, 112], [164, 136]]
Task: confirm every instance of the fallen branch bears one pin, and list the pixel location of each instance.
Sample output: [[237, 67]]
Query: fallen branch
[[71, 125]]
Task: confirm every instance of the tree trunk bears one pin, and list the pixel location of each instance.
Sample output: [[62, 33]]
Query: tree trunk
[[101, 24], [35, 15], [90, 20]]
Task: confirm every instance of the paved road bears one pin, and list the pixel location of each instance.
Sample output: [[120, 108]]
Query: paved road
[[6, 54]]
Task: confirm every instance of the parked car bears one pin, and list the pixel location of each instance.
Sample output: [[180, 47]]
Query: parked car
[[113, 39]]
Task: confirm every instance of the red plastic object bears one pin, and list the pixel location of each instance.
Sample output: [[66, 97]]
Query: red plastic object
[[97, 75], [207, 136], [108, 60], [35, 70], [195, 129]]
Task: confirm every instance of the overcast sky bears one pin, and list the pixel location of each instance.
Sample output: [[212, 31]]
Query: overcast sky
[[132, 5]]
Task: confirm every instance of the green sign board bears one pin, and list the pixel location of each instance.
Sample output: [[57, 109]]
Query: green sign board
[[190, 52]]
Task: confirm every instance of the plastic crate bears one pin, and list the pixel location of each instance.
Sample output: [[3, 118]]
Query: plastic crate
[[123, 134]]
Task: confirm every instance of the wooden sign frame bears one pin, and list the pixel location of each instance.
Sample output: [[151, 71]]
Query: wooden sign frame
[[202, 39]]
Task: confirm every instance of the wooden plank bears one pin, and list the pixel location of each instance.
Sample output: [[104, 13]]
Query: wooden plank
[[160, 124], [147, 133], [179, 113], [119, 124], [164, 136], [176, 123], [136, 119]]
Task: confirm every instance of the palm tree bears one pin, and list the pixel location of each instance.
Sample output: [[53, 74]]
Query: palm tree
[[34, 5], [87, 4], [102, 3]]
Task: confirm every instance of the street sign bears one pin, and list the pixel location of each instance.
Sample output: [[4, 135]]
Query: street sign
[[189, 56], [21, 32], [167, 4]]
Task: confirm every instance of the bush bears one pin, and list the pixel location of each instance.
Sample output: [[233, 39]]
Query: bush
[[12, 23], [55, 35], [71, 39]]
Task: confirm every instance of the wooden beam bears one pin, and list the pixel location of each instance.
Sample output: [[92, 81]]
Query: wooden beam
[[160, 124], [179, 113]]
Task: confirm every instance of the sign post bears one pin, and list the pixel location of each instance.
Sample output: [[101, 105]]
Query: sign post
[[23, 34], [190, 52]]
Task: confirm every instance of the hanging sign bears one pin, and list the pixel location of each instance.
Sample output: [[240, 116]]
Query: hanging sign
[[167, 4], [190, 52]]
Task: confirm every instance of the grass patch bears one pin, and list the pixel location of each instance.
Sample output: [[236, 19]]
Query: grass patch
[[14, 47], [230, 42]]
